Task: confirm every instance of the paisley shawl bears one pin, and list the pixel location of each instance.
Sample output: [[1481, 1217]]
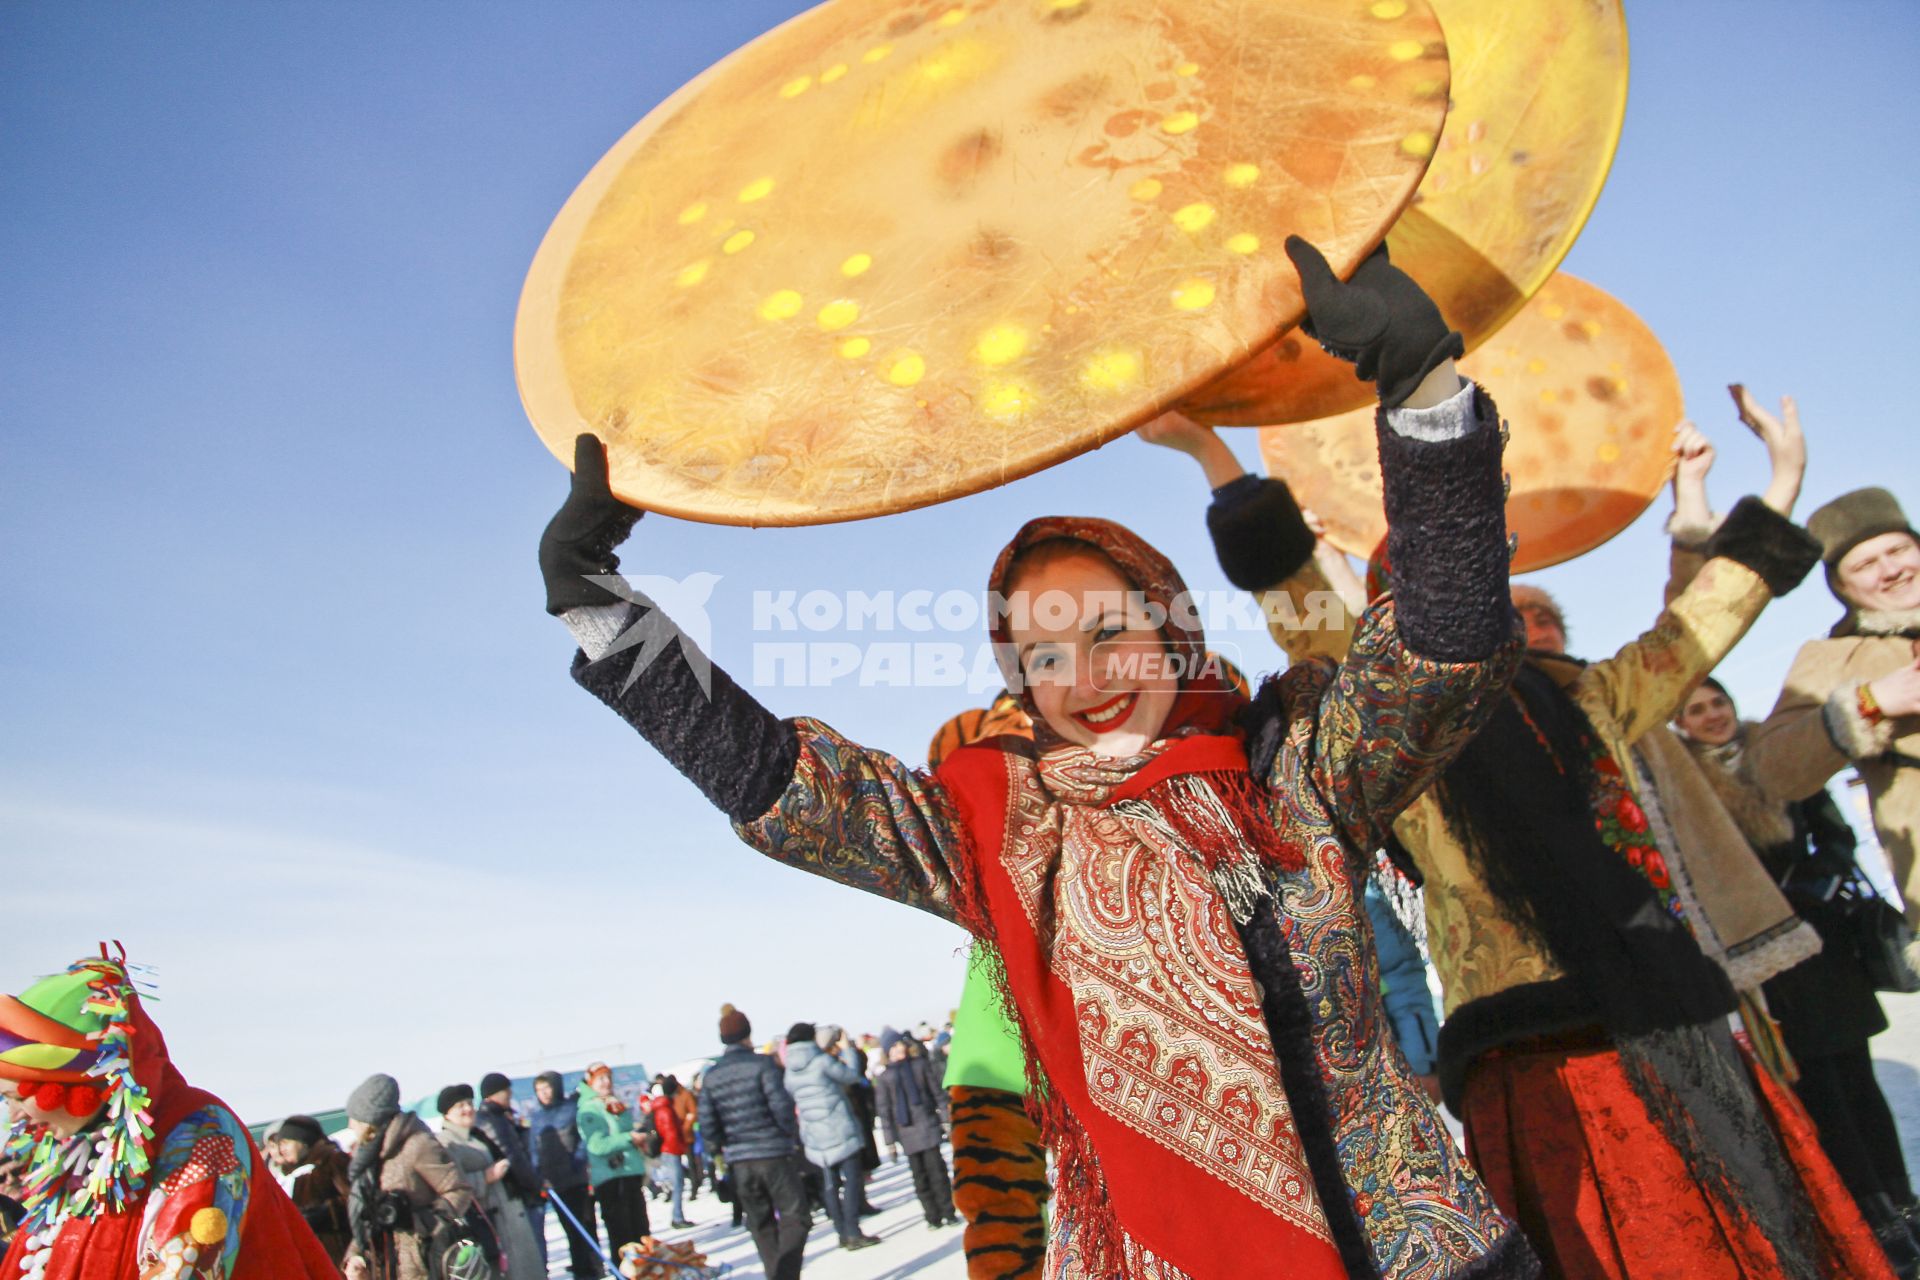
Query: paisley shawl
[[1129, 971]]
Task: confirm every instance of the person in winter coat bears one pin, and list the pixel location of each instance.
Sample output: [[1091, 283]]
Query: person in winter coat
[[562, 1160], [1000, 1186], [1403, 983], [749, 1120], [1154, 781], [913, 1118], [670, 1168], [1826, 1005], [836, 1041], [403, 1185], [488, 1171], [686, 1110], [494, 1118], [1585, 1045], [1853, 698], [314, 1171], [126, 1171], [616, 1162], [829, 1132], [494, 1219]]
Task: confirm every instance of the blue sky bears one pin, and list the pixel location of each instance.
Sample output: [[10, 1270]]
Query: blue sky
[[280, 705]]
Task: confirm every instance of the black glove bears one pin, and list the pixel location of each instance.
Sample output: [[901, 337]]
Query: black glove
[[580, 538], [1380, 320]]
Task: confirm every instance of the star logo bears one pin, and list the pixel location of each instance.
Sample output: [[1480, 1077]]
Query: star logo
[[670, 610]]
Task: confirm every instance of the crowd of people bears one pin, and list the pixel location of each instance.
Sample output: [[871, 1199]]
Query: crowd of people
[[784, 1132]]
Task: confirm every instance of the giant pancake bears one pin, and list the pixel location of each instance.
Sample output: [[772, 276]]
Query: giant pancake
[[1539, 96], [893, 253], [1590, 398]]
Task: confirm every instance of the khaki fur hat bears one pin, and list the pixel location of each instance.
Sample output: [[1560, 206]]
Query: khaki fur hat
[[1852, 518]]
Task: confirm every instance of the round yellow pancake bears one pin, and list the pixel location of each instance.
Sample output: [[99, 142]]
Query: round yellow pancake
[[1591, 399], [1539, 95], [893, 253]]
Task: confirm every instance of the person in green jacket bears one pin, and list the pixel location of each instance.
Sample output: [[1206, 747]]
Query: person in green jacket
[[616, 1163], [999, 1164]]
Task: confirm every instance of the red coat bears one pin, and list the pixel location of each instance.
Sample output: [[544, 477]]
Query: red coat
[[673, 1137]]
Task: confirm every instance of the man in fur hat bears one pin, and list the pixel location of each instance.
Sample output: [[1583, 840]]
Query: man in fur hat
[[1853, 698]]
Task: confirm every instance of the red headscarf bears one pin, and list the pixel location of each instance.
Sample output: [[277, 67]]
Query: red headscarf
[[1209, 696]]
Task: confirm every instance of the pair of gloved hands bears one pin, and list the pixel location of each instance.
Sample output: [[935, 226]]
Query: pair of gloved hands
[[1379, 320]]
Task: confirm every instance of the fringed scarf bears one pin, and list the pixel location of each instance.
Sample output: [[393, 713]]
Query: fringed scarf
[[1114, 892], [1117, 907]]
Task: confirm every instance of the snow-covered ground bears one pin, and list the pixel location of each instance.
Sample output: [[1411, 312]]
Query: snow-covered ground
[[910, 1248], [1896, 1061]]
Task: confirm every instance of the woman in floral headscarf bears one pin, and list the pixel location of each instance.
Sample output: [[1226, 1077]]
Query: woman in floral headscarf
[[1168, 872]]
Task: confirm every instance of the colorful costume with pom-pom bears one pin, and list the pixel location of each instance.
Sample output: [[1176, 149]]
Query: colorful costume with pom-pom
[[165, 1182]]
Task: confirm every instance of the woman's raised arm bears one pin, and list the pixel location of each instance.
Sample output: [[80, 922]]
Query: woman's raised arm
[[794, 789]]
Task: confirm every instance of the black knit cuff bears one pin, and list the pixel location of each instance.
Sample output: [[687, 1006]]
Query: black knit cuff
[[1258, 533], [1447, 538], [738, 753], [1768, 543]]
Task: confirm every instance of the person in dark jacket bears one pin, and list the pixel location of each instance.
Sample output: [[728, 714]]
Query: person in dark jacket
[[828, 1129], [1825, 1005], [836, 1041], [314, 1171], [913, 1114], [562, 1162], [494, 1117], [748, 1117]]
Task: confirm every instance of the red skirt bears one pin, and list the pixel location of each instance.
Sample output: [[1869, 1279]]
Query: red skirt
[[1568, 1151]]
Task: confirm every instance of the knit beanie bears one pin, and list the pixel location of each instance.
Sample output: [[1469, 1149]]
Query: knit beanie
[[889, 1038], [734, 1027], [493, 1082], [301, 1129], [1850, 520], [800, 1033], [376, 1101], [452, 1096]]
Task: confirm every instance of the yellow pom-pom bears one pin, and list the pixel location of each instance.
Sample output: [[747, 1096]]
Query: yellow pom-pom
[[209, 1226]]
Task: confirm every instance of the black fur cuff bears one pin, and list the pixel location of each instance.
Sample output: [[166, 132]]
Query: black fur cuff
[[1447, 538], [1480, 1026], [1768, 543], [1258, 532], [737, 752]]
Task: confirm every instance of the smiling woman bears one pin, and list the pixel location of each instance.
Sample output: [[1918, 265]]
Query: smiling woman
[[1093, 671], [1168, 871]]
